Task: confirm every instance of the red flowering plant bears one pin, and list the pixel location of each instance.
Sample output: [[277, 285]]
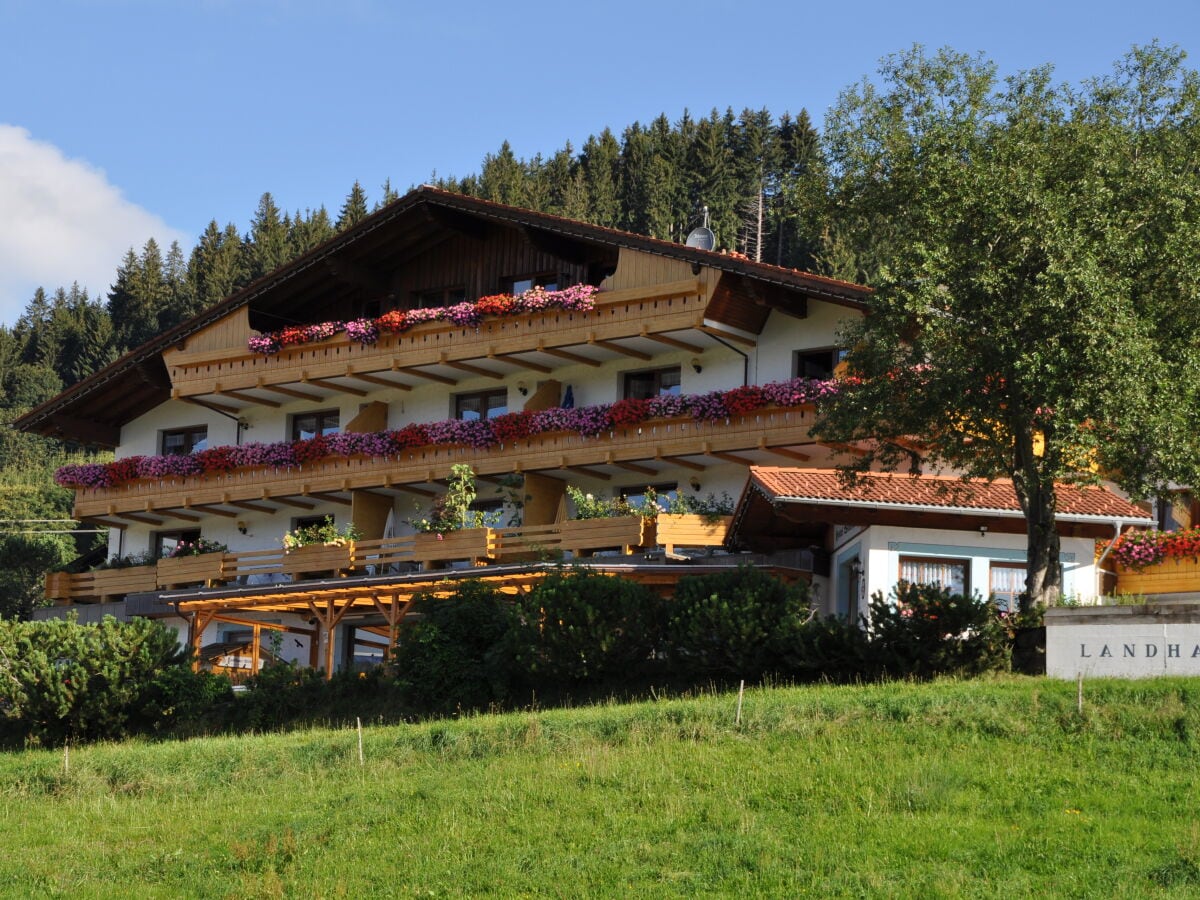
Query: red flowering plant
[[496, 304], [742, 400], [631, 411], [511, 426], [392, 321]]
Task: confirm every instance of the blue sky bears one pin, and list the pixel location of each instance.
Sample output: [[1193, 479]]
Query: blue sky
[[122, 119]]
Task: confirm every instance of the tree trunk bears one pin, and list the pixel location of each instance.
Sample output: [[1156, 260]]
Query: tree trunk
[[1039, 501]]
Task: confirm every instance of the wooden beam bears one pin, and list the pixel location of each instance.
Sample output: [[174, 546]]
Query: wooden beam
[[410, 489], [291, 501], [325, 383], [524, 364], [246, 398], [458, 222], [216, 407], [726, 335], [375, 379], [107, 523], [329, 498], [253, 507], [186, 517], [682, 463], [568, 355], [788, 453], [290, 392], [672, 342], [469, 368], [409, 370], [631, 466], [843, 448], [584, 470], [617, 348], [731, 457], [210, 510], [137, 517]]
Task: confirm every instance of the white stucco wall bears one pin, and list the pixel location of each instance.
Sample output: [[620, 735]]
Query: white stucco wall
[[880, 547]]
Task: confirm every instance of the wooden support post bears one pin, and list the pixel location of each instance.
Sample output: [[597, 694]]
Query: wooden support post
[[255, 650]]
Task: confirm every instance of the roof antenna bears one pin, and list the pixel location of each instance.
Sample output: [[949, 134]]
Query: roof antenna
[[702, 238]]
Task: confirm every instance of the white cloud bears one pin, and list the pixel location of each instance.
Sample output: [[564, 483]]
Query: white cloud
[[61, 221]]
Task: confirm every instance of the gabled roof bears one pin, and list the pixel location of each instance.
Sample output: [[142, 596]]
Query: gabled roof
[[94, 409], [781, 504], [940, 493]]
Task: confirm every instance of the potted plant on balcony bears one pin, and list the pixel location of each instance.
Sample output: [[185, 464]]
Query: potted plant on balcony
[[602, 524], [453, 530], [192, 562], [312, 551], [689, 521]]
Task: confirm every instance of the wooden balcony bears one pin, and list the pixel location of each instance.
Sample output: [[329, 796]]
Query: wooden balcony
[[1170, 576], [649, 449], [634, 322], [473, 546]]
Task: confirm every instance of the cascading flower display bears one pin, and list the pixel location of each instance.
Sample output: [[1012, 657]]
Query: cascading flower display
[[587, 421], [1138, 549], [466, 315]]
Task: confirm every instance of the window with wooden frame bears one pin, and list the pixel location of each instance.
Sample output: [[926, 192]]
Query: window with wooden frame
[[819, 363], [519, 284], [1006, 583], [182, 441], [650, 383], [437, 297], [309, 425], [944, 572], [163, 542], [479, 405]]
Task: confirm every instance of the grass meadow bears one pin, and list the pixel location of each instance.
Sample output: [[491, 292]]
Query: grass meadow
[[987, 788]]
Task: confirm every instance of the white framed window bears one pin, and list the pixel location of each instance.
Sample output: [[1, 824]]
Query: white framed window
[[945, 572]]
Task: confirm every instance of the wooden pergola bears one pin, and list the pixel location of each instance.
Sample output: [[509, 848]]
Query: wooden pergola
[[384, 601]]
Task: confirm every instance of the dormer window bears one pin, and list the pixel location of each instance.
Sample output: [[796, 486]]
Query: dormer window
[[182, 441], [519, 284], [439, 297]]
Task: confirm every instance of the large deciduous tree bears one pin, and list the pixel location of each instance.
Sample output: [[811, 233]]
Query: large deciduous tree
[[1037, 313]]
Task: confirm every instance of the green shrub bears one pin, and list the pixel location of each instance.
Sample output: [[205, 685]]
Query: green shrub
[[923, 630], [831, 648], [454, 655], [743, 622], [60, 680], [578, 625]]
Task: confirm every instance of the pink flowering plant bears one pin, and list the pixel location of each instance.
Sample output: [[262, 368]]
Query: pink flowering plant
[[580, 297], [586, 421], [198, 547], [1139, 549]]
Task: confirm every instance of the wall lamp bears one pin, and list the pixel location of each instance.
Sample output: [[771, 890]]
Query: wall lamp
[[696, 367]]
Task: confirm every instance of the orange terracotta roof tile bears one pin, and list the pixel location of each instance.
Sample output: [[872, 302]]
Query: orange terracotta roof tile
[[932, 491]]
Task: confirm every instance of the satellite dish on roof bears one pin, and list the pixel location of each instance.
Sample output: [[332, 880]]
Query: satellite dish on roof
[[701, 238]]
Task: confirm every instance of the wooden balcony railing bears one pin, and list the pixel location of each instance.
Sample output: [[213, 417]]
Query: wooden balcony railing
[[1169, 576], [655, 309], [476, 546], [659, 439]]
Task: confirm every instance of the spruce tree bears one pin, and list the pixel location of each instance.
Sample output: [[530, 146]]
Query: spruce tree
[[354, 210]]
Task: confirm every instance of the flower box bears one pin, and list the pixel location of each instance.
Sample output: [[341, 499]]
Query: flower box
[[318, 561], [1168, 576], [583, 537], [691, 530], [476, 545], [204, 569]]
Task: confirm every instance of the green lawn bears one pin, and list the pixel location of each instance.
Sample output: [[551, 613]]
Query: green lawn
[[984, 788]]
